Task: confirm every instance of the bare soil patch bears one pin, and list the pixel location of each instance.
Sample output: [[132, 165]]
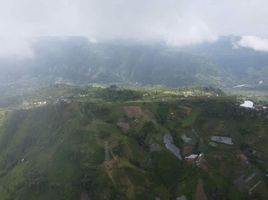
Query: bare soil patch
[[200, 193]]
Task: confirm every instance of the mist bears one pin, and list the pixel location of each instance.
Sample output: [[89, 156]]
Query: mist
[[175, 22]]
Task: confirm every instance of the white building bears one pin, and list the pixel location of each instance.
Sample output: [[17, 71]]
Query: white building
[[247, 104]]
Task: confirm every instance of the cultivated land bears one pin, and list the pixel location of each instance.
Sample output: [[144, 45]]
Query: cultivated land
[[97, 142]]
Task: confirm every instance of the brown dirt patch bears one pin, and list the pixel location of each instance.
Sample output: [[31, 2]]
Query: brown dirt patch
[[84, 196], [200, 193], [133, 111], [138, 112], [187, 150], [110, 165], [243, 159], [69, 109], [204, 165], [149, 115], [122, 124], [187, 110]]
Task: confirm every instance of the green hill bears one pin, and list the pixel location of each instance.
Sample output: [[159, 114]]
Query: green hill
[[108, 143]]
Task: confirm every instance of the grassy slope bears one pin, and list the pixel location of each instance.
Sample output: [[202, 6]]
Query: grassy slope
[[57, 151]]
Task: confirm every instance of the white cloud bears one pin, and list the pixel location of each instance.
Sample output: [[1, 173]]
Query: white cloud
[[17, 47], [256, 43], [178, 22], [193, 33]]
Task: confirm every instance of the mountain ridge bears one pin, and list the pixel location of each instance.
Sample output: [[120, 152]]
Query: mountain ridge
[[78, 61]]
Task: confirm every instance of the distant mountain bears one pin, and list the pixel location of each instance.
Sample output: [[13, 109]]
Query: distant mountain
[[242, 65], [76, 60]]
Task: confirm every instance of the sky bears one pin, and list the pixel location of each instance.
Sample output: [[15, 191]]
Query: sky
[[176, 22]]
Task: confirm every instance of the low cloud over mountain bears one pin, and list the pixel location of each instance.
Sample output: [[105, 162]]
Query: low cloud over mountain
[[175, 22]]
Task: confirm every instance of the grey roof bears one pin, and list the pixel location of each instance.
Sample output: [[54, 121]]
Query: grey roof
[[168, 140], [222, 139]]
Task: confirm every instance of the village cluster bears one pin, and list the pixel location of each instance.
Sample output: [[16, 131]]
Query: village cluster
[[197, 157], [187, 151]]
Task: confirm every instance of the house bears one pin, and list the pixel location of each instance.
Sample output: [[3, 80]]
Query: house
[[191, 158], [168, 140], [222, 139], [247, 104]]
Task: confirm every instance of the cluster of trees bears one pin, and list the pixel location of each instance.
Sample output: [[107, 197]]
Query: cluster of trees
[[113, 93]]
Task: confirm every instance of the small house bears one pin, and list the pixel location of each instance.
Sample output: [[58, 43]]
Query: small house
[[247, 104]]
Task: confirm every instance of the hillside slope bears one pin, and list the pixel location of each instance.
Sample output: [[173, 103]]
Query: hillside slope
[[131, 149]]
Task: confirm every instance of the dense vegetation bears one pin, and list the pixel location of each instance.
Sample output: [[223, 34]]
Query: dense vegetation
[[107, 143]]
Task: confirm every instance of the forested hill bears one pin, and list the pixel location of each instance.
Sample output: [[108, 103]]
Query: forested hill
[[76, 60], [113, 143]]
